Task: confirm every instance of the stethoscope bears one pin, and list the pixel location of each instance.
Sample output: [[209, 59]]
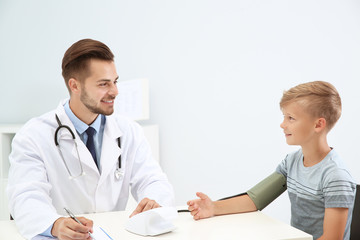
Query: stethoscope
[[119, 172]]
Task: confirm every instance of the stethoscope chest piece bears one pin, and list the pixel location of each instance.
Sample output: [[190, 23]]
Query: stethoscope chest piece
[[119, 174]]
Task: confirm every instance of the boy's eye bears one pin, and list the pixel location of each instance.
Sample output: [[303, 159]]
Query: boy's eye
[[291, 118]]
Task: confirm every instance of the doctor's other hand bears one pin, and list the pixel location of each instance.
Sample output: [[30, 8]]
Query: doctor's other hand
[[68, 229], [144, 205], [201, 208]]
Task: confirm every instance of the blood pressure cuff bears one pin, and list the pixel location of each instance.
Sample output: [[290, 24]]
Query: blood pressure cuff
[[266, 191]]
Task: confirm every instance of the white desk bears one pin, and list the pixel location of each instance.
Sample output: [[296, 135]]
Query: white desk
[[247, 226]]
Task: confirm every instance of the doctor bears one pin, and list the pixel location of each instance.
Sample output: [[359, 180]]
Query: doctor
[[57, 161]]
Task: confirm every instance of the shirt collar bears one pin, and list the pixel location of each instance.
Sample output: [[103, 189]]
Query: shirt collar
[[79, 125]]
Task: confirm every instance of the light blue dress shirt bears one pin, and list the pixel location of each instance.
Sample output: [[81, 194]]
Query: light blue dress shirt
[[80, 126]]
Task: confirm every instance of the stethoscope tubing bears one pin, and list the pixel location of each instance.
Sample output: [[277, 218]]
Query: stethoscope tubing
[[58, 129], [119, 159], [73, 137]]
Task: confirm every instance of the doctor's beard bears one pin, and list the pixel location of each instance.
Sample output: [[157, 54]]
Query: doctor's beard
[[91, 104]]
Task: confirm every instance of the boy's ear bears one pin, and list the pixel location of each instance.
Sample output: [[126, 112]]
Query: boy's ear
[[320, 124]]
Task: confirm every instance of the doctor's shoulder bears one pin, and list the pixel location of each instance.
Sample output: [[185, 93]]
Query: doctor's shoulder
[[127, 125], [38, 127]]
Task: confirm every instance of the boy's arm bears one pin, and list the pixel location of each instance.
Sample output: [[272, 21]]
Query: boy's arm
[[334, 223], [239, 204], [204, 207], [256, 198], [266, 191]]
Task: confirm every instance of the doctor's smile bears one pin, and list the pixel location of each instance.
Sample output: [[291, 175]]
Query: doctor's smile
[[111, 101]]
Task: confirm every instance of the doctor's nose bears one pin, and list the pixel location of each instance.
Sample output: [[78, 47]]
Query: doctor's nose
[[113, 90]]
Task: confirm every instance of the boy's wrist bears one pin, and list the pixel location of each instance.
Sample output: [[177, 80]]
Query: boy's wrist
[[216, 208]]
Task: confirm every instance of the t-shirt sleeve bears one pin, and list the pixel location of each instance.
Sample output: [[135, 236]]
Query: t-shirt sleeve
[[282, 167], [339, 189]]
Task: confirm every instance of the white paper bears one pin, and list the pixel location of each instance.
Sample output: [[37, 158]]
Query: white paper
[[98, 234], [152, 222], [39, 237]]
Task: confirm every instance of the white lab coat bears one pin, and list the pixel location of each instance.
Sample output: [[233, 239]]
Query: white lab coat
[[39, 186]]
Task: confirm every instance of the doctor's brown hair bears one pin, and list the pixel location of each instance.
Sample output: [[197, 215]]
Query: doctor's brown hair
[[76, 58], [318, 98]]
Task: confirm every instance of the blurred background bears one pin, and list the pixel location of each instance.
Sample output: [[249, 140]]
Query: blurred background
[[216, 71]]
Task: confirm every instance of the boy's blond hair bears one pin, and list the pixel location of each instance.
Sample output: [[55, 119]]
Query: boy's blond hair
[[319, 99]]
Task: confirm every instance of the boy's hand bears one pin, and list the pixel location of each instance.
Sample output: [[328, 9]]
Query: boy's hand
[[201, 208]]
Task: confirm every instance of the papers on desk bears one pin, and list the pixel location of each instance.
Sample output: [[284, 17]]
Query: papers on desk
[[39, 237], [149, 223], [152, 222], [98, 234]]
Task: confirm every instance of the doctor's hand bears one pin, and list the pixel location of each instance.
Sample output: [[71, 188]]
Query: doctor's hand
[[201, 208], [144, 205], [68, 229]]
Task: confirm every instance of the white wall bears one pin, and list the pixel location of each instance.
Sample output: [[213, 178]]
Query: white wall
[[217, 70]]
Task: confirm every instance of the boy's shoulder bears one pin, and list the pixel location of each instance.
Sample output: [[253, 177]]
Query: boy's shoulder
[[334, 169], [289, 162], [331, 166], [292, 157]]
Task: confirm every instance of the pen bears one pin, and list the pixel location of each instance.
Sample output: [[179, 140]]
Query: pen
[[77, 220]]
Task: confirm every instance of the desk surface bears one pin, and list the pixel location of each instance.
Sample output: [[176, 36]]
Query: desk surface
[[255, 225]]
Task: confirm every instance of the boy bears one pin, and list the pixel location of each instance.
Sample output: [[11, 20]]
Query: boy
[[321, 190]]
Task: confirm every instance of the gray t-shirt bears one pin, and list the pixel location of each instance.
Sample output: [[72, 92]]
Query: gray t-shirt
[[312, 189]]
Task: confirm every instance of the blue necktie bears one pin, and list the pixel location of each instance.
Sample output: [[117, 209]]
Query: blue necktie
[[90, 143]]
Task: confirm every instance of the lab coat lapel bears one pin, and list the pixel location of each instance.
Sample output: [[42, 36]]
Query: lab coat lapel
[[110, 150], [85, 155]]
